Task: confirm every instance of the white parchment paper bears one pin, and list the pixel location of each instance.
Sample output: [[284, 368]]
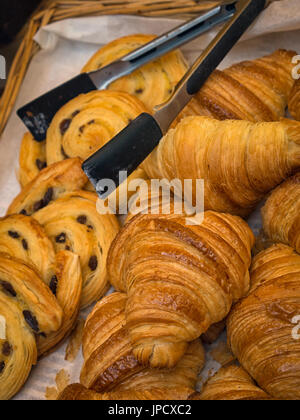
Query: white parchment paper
[[66, 46]]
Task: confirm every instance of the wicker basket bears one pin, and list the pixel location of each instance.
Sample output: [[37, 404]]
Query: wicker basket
[[69, 9]]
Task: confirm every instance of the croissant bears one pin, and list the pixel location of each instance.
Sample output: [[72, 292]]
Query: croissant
[[281, 214], [239, 161], [73, 223], [77, 392], [231, 383], [255, 90], [110, 364], [32, 159], [27, 308], [152, 83], [262, 328], [89, 121], [294, 101], [179, 279], [49, 185], [24, 238]]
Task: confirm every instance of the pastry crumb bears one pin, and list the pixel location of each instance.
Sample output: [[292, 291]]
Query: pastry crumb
[[222, 354], [75, 341], [62, 380]]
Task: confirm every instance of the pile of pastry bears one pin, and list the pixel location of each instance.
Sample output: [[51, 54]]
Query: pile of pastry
[[173, 282]]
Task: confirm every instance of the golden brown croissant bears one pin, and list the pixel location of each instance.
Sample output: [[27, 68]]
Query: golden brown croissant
[[294, 102], [152, 83], [24, 238], [281, 214], [239, 161], [27, 308], [77, 392], [32, 159], [180, 279], [89, 121], [110, 364], [49, 185], [255, 90], [262, 328], [73, 223], [231, 383]]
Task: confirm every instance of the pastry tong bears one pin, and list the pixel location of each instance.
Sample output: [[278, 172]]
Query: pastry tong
[[126, 151], [38, 114]]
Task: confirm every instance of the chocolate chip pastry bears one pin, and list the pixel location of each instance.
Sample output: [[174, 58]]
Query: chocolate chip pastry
[[24, 238], [32, 159], [28, 309]]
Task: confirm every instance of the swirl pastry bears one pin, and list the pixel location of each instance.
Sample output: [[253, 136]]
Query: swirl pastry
[[281, 214], [49, 185], [27, 308], [294, 101], [239, 161], [262, 328], [179, 279], [231, 383], [254, 91], [110, 364], [77, 392], [152, 83], [88, 122], [73, 223], [24, 238], [32, 159]]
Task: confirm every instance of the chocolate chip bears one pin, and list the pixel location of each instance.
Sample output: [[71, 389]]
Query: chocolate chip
[[90, 227], [40, 165], [75, 113], [61, 239], [13, 234], [82, 220], [7, 287], [48, 196], [93, 263], [81, 129], [31, 321], [64, 125], [42, 335], [139, 91], [38, 205], [91, 122], [24, 212], [53, 285], [6, 349], [25, 244], [68, 248], [64, 153], [101, 250], [2, 367]]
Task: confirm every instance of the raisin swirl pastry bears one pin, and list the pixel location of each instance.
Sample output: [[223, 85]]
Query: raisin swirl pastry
[[294, 102], [261, 327], [152, 83], [73, 223], [32, 159], [88, 122], [49, 185], [281, 213], [110, 364], [231, 383], [24, 238], [180, 279], [256, 90], [27, 309]]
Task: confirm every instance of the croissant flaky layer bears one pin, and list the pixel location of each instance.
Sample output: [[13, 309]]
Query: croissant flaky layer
[[263, 329], [179, 279], [281, 213], [152, 83], [239, 161], [231, 383], [294, 102], [255, 90], [110, 364], [77, 392]]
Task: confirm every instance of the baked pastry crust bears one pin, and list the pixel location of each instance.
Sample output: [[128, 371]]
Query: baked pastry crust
[[110, 364], [51, 183], [239, 161], [152, 83], [73, 223], [260, 327], [281, 214], [294, 102], [32, 159], [231, 383], [179, 279]]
